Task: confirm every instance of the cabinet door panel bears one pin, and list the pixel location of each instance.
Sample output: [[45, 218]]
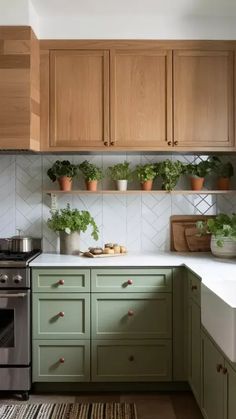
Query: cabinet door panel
[[203, 98], [231, 392], [60, 280], [194, 349], [140, 89], [79, 98]]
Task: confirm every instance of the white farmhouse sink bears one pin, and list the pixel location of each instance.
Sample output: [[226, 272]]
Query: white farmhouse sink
[[219, 317]]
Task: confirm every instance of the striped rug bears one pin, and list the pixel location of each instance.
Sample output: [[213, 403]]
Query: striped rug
[[69, 411]]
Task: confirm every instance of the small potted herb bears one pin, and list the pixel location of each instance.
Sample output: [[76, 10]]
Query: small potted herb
[[170, 172], [224, 171], [63, 171], [92, 175], [223, 234], [198, 173], [69, 223], [146, 174], [121, 174]]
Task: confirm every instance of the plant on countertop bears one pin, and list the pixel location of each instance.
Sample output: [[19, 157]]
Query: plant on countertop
[[63, 171], [71, 220], [146, 174], [170, 172], [221, 227], [92, 174], [121, 174]]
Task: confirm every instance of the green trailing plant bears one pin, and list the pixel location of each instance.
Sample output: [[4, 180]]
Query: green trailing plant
[[70, 220], [145, 172], [120, 171], [220, 168], [170, 172], [201, 169], [62, 168], [222, 226], [90, 171]]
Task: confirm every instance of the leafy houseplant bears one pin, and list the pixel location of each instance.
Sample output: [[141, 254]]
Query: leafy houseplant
[[92, 174], [223, 231], [198, 173], [170, 172], [224, 172], [121, 174], [146, 174], [63, 171], [69, 223]]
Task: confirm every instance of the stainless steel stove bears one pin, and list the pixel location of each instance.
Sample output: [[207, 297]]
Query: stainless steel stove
[[15, 321]]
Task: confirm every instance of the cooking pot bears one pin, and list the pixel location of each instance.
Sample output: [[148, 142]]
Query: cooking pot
[[23, 244]]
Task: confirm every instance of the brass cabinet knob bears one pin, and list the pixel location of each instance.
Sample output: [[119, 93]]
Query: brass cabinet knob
[[62, 360], [106, 143], [112, 142], [61, 314], [219, 367], [131, 358], [130, 282], [224, 370], [194, 287], [169, 142], [130, 313], [61, 282], [176, 142]]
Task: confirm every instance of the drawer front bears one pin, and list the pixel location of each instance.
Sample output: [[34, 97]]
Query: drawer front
[[149, 360], [65, 316], [131, 280], [194, 287], [61, 361], [61, 280], [129, 316]]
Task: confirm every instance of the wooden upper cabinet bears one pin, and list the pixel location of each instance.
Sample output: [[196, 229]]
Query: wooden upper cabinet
[[19, 89], [141, 98], [203, 99], [78, 99]]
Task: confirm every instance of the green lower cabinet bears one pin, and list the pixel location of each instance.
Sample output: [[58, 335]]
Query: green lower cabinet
[[137, 315], [213, 387], [194, 349], [61, 361], [230, 375], [64, 316], [119, 360]]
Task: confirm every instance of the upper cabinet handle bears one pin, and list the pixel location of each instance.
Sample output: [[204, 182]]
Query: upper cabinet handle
[[112, 142], [176, 142]]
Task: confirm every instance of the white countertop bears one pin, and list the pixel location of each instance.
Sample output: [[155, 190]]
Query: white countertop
[[217, 274]]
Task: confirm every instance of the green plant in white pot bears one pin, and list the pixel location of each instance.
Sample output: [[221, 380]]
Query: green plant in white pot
[[121, 174], [223, 234], [69, 223]]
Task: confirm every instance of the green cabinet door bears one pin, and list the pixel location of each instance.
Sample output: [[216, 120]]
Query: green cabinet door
[[212, 380], [60, 280], [230, 394], [194, 348]]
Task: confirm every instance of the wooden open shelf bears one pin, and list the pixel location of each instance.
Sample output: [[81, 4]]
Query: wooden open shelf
[[138, 191]]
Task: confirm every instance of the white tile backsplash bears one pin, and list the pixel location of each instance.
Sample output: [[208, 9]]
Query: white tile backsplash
[[139, 221]]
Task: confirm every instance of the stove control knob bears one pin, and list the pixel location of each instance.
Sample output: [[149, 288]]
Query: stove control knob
[[17, 279], [3, 278]]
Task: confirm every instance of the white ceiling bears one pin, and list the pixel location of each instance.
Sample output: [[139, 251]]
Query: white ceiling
[[53, 8]]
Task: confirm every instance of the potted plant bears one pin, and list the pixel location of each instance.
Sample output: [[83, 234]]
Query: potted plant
[[223, 234], [63, 171], [69, 223], [198, 173], [170, 172], [146, 174], [224, 171], [92, 175], [121, 174]]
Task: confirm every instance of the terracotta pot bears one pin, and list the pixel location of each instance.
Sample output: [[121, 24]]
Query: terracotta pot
[[223, 183], [196, 183], [147, 185], [92, 185], [65, 183]]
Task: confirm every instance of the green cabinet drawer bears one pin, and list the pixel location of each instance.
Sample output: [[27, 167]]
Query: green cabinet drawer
[[194, 287], [60, 280], [61, 316], [131, 316], [131, 280], [149, 360], [61, 361]]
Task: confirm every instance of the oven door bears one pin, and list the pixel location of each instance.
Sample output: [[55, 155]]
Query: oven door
[[14, 327]]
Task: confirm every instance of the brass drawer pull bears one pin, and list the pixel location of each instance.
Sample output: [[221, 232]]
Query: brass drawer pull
[[61, 314], [112, 142], [224, 370], [61, 282], [176, 142], [130, 313], [219, 367], [130, 282], [106, 143], [169, 142], [62, 360], [194, 287]]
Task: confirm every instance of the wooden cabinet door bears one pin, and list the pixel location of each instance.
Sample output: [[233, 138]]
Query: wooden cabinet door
[[140, 98], [212, 381], [194, 349], [203, 99], [78, 99]]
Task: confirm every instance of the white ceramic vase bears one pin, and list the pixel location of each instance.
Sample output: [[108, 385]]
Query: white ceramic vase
[[69, 243], [122, 185], [228, 250]]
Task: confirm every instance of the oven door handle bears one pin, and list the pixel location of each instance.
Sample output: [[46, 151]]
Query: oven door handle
[[18, 295]]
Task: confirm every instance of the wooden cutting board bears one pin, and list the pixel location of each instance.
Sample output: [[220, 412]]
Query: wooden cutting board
[[183, 236]]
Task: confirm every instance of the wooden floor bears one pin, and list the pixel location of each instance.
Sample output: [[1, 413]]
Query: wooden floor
[[179, 405]]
